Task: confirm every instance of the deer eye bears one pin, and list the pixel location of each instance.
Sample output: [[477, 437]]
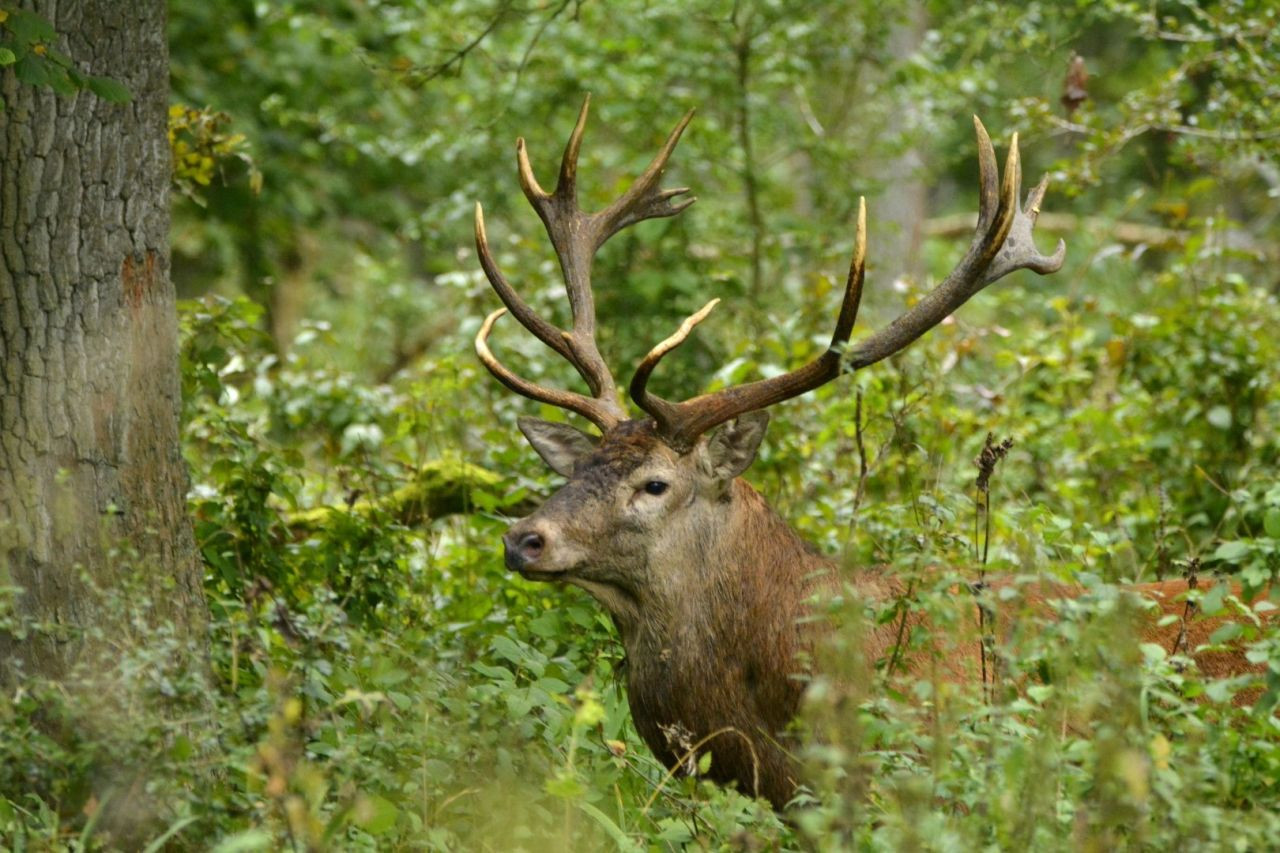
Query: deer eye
[[655, 487]]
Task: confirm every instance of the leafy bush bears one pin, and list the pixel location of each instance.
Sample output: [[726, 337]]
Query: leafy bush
[[375, 683], [375, 679]]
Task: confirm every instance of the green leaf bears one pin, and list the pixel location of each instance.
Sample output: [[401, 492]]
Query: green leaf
[[1040, 692], [1153, 652], [182, 748], [565, 785], [32, 70], [614, 831], [1232, 551], [109, 90], [60, 82], [29, 28], [376, 815], [1219, 690], [1227, 632], [1219, 416], [553, 685], [7, 57], [497, 673], [253, 839], [508, 649], [158, 843], [1212, 601], [1271, 522], [675, 832]]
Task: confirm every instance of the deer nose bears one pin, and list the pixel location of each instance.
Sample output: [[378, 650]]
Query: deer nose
[[522, 548]]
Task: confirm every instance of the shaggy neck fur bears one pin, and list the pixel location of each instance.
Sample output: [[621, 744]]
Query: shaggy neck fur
[[717, 654]]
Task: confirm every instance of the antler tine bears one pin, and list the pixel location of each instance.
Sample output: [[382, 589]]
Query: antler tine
[[664, 412], [1019, 249], [640, 201], [598, 411], [682, 423], [988, 178], [853, 283], [542, 330], [574, 247], [1002, 243], [567, 184]]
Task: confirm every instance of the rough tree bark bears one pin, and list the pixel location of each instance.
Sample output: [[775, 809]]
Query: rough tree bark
[[92, 481]]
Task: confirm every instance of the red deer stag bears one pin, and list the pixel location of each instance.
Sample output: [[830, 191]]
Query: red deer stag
[[706, 584]]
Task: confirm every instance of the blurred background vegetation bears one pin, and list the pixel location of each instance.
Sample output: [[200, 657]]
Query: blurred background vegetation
[[380, 682]]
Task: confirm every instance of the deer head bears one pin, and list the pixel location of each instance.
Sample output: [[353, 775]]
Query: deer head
[[704, 581]]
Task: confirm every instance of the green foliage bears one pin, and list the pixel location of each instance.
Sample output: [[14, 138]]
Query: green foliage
[[201, 146], [1102, 746], [377, 680], [27, 44], [377, 686]]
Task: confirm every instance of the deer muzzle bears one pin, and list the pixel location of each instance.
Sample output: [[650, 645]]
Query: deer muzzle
[[523, 548]]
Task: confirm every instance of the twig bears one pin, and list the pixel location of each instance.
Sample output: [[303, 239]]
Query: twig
[[902, 629], [1189, 609], [1162, 547], [1121, 231], [987, 460], [742, 45], [533, 42], [860, 492], [1182, 129], [462, 53], [691, 753]]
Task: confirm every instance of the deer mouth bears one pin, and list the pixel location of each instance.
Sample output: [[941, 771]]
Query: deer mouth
[[543, 576]]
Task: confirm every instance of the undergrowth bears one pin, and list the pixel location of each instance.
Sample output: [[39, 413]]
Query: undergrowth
[[376, 681]]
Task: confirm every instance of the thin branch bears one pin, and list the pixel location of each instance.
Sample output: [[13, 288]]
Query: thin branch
[[1159, 127], [742, 124], [957, 225], [900, 634], [461, 55], [533, 42]]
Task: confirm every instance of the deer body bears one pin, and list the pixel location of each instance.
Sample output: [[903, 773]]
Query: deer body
[[723, 668], [725, 657], [708, 587], [709, 603], [710, 591]]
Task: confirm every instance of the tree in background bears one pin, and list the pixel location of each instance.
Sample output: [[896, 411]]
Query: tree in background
[[92, 481]]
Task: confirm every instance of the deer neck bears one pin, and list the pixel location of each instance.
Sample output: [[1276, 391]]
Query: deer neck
[[745, 571]]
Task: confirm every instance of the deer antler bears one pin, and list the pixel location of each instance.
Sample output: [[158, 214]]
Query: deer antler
[[576, 236], [1001, 244]]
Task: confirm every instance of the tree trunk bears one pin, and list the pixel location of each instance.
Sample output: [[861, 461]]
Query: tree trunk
[[901, 212], [92, 481]]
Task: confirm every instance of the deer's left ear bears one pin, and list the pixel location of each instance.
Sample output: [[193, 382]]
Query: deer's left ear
[[732, 448]]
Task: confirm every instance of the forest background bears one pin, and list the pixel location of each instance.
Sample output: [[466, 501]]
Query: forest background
[[376, 678]]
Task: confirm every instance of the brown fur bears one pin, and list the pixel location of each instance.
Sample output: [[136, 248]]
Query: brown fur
[[709, 590]]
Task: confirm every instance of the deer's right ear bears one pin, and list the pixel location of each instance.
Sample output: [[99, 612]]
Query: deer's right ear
[[559, 445], [732, 448]]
